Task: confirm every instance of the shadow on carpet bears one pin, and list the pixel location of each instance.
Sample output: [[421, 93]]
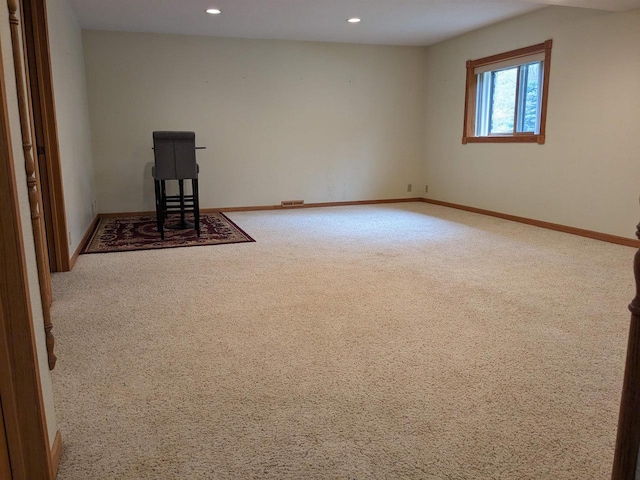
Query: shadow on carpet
[[140, 232]]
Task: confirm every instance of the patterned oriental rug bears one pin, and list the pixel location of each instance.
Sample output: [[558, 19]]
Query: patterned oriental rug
[[141, 233]]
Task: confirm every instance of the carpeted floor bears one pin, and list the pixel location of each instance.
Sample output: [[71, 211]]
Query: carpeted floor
[[404, 341]]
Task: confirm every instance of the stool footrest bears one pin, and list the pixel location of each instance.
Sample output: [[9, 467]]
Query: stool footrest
[[172, 204]]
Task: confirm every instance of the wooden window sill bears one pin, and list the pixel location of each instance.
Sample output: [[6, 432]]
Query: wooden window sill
[[505, 139]]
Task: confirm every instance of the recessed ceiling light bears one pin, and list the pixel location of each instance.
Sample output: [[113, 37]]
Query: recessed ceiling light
[[354, 20], [214, 11]]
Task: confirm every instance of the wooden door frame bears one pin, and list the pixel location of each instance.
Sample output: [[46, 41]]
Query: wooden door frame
[[38, 63], [31, 170], [5, 463], [20, 385]]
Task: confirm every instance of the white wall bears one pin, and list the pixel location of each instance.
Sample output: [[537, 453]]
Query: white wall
[[72, 115], [25, 214], [586, 175], [281, 120]]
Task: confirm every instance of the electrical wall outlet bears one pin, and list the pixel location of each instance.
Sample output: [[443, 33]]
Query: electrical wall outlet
[[426, 189], [409, 187]]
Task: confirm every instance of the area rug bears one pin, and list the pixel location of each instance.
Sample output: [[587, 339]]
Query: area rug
[[141, 233]]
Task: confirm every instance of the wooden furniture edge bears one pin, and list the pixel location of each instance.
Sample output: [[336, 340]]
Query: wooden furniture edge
[[56, 452], [83, 242], [625, 459], [275, 207], [604, 237]]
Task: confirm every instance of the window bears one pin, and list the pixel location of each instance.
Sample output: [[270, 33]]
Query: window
[[506, 96]]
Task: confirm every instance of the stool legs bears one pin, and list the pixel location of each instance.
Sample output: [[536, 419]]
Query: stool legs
[[181, 187], [196, 204], [162, 209], [159, 208]]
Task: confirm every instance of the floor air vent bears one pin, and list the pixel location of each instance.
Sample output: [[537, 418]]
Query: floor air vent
[[292, 203]]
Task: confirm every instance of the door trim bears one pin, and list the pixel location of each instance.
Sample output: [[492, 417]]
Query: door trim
[[56, 452], [33, 185], [22, 401], [38, 55]]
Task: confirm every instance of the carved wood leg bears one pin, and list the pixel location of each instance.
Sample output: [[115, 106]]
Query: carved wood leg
[[628, 438], [50, 340], [33, 186]]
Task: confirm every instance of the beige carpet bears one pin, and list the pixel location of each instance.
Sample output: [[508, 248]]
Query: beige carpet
[[375, 342]]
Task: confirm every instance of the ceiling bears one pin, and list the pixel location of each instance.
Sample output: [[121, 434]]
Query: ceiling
[[390, 22]]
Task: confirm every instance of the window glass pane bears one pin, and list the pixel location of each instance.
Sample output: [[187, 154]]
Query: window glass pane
[[531, 73], [503, 101]]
